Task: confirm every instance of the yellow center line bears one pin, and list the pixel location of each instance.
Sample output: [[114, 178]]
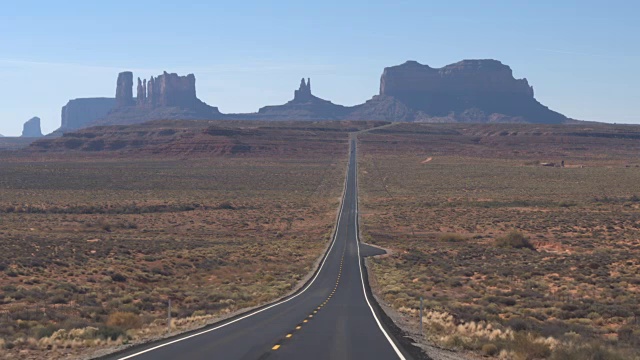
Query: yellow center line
[[288, 336]]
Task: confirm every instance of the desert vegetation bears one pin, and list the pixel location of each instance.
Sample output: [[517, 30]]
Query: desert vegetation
[[513, 259], [94, 248]]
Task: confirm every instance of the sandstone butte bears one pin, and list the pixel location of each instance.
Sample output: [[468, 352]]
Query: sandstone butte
[[31, 128], [469, 91]]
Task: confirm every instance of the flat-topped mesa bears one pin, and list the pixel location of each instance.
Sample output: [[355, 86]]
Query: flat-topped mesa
[[304, 92], [124, 92], [174, 90], [467, 91], [166, 90], [464, 77], [79, 113], [163, 97]]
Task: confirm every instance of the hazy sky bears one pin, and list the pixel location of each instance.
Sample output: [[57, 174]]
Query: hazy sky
[[581, 57]]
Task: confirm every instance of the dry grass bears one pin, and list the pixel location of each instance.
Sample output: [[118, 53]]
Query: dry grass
[[464, 227], [93, 250]]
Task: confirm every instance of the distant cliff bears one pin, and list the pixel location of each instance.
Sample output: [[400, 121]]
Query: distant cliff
[[470, 91], [164, 97], [79, 113], [31, 128], [303, 106], [467, 91], [467, 77]]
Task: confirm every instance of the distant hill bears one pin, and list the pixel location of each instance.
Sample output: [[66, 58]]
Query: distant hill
[[469, 91], [181, 139], [164, 97], [79, 113], [303, 106], [201, 138], [9, 143]]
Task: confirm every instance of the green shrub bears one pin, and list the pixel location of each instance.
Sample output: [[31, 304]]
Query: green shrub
[[524, 344], [450, 237], [514, 240], [519, 324], [118, 277], [41, 331], [109, 332], [124, 320], [226, 206], [11, 273], [106, 227], [591, 352], [625, 333], [489, 349]]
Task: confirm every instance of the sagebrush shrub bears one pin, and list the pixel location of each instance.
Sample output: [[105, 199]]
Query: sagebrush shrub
[[124, 320], [515, 240]]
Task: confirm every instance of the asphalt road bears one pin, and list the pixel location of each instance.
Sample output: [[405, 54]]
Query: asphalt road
[[330, 318]]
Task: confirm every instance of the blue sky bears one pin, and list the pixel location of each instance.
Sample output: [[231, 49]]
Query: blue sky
[[582, 57]]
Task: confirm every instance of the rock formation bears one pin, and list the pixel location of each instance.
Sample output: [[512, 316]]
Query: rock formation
[[304, 106], [465, 77], [142, 92], [32, 128], [163, 90], [167, 96], [467, 91], [173, 90], [79, 113], [124, 85], [382, 108], [304, 92]]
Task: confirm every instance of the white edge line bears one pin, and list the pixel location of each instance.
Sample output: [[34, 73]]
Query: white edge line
[[335, 235], [364, 290]]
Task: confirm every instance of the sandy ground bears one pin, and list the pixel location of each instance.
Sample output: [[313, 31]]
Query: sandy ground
[[411, 329]]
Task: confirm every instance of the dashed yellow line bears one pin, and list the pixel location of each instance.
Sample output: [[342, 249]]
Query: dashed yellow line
[[290, 335]]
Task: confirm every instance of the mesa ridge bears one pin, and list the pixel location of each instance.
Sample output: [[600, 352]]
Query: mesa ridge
[[469, 91]]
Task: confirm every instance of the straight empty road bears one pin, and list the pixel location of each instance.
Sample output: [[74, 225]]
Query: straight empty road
[[332, 317]]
